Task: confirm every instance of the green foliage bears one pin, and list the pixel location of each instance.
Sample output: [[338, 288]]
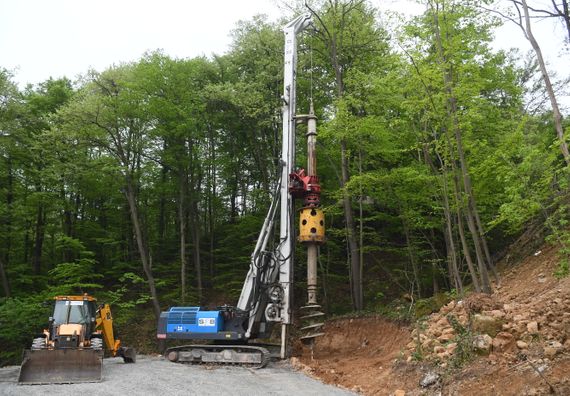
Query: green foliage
[[20, 319], [464, 352], [196, 143], [77, 277], [560, 237], [127, 298]]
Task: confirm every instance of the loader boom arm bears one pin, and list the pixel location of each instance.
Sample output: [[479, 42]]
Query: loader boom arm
[[104, 323]]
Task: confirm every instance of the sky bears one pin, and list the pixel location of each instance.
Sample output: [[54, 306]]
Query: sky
[[43, 38], [55, 38]]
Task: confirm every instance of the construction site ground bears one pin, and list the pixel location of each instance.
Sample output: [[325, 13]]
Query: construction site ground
[[523, 348], [528, 354], [153, 375]]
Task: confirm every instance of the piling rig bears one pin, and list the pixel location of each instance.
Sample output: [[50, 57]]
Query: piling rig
[[266, 295]]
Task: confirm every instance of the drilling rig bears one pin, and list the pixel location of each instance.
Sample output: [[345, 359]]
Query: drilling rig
[[266, 296]]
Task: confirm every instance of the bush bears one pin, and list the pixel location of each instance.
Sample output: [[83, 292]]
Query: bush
[[20, 320]]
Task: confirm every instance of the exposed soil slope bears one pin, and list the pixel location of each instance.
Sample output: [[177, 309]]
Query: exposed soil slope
[[359, 354], [522, 335]]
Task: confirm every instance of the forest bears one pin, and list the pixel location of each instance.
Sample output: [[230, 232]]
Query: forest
[[146, 184]]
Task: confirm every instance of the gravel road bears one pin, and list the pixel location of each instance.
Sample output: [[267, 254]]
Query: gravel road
[[156, 376]]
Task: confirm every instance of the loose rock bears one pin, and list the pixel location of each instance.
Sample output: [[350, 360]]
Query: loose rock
[[503, 342], [532, 327], [486, 324], [482, 343], [429, 379]]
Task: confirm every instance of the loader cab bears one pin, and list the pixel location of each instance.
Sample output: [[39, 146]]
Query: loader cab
[[73, 310]]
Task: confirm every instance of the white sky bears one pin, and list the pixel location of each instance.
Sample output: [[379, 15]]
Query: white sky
[[43, 38]]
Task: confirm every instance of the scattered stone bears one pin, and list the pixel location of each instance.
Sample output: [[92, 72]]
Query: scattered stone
[[478, 302], [447, 308], [503, 342], [448, 330], [429, 379], [553, 348], [451, 348], [522, 344], [485, 324], [438, 349], [399, 392], [532, 327], [482, 343], [428, 344], [557, 325], [436, 331], [495, 313], [446, 337]]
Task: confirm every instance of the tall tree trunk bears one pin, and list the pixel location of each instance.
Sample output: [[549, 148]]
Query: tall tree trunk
[[461, 230], [361, 233], [452, 262], [415, 270], [27, 242], [4, 278], [566, 16], [39, 240], [484, 244], [141, 244], [8, 224], [162, 214], [467, 253], [351, 234], [212, 200], [332, 42], [195, 234], [183, 186], [557, 116], [452, 113]]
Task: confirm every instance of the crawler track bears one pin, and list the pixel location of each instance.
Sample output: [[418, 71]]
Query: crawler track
[[238, 355]]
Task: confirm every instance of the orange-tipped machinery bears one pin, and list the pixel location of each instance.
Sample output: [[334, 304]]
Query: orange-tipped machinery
[[71, 349]]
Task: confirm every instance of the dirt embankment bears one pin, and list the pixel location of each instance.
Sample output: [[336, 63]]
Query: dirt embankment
[[358, 354], [515, 342]]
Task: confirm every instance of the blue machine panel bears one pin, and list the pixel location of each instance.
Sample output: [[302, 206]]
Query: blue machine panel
[[193, 320]]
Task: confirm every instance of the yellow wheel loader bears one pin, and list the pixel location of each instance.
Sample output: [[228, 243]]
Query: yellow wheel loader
[[71, 349]]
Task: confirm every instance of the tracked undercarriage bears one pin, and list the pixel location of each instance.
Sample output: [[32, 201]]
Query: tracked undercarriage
[[242, 355]]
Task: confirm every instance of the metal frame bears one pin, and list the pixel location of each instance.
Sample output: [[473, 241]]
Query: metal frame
[[281, 265]]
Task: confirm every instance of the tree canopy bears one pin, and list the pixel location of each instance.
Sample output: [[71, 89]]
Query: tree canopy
[[147, 183]]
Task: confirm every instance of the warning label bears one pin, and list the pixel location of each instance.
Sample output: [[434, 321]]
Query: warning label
[[207, 322]]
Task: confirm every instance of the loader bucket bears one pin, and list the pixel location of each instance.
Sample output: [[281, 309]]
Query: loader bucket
[[61, 366], [129, 355]]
